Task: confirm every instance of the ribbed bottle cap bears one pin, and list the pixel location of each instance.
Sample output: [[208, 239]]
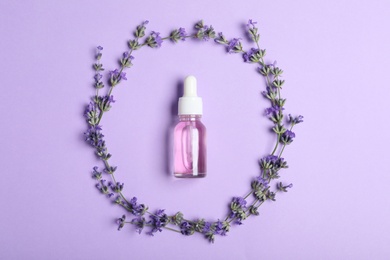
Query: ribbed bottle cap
[[190, 103]]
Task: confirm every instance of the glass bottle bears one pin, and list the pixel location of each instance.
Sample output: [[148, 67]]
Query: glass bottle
[[190, 135]]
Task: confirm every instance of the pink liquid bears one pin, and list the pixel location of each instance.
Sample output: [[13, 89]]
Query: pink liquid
[[190, 147]]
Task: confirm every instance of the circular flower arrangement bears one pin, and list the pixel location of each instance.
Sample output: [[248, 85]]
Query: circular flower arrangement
[[270, 165]]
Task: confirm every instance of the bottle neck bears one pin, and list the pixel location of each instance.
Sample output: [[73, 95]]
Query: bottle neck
[[190, 117]]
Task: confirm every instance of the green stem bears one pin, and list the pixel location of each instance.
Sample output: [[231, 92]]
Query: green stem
[[264, 173], [148, 225], [100, 116], [282, 151], [262, 62], [172, 229], [276, 145], [250, 193]]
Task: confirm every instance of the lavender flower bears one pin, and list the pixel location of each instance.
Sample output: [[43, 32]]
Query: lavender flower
[[259, 183], [98, 67], [154, 40], [218, 229], [104, 103], [207, 228], [278, 83], [182, 32], [139, 222], [116, 77], [273, 109], [118, 187], [96, 174], [280, 163], [126, 60], [253, 30], [204, 32], [287, 137], [135, 208], [158, 221], [92, 114], [99, 54], [210, 237], [221, 39], [234, 46], [102, 187], [93, 136], [282, 187], [121, 222], [250, 56], [271, 93], [179, 34], [251, 24], [268, 161], [199, 225], [237, 209], [98, 77], [177, 218], [253, 210], [295, 120], [260, 188], [90, 108], [187, 228], [140, 31]]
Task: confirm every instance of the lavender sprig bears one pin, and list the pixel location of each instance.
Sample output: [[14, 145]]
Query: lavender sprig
[[98, 67]]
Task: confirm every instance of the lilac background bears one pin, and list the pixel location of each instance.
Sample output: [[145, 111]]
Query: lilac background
[[335, 55]]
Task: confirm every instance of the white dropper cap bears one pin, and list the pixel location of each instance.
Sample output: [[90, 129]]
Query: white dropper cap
[[190, 103]]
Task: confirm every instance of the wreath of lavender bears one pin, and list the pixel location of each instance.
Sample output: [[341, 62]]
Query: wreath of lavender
[[270, 165]]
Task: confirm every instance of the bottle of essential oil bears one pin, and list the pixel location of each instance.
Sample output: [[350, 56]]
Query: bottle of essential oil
[[190, 134]]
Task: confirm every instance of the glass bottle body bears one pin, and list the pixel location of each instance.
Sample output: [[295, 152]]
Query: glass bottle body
[[190, 147]]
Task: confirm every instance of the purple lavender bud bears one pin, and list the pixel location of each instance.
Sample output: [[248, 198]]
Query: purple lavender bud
[[98, 77], [273, 109], [289, 134], [121, 222], [187, 228], [139, 222], [157, 39], [218, 228], [182, 33], [113, 72], [268, 161], [123, 76], [250, 56], [295, 120], [287, 137], [100, 48], [283, 188], [234, 45], [251, 23], [207, 227], [158, 221], [261, 181]]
